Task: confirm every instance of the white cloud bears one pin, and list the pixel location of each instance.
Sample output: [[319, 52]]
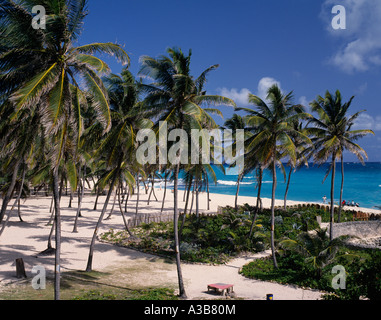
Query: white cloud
[[303, 101], [263, 86], [360, 42], [366, 121], [241, 97]]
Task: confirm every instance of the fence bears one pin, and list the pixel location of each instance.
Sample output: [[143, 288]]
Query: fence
[[156, 218]]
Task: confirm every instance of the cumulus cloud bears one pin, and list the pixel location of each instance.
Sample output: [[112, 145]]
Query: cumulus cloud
[[263, 86], [303, 101], [241, 97], [360, 43], [366, 121]]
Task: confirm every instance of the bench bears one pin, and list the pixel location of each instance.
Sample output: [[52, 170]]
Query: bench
[[221, 287]]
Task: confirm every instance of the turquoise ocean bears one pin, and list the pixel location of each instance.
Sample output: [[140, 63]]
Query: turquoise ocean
[[362, 184]]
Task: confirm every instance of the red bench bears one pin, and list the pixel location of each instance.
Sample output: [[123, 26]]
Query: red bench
[[221, 287]]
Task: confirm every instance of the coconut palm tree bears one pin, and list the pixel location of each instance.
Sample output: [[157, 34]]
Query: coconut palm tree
[[40, 68], [116, 152], [272, 141], [234, 123], [301, 158], [332, 134], [175, 98]]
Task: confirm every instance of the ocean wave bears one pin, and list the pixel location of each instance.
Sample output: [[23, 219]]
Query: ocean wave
[[232, 183]]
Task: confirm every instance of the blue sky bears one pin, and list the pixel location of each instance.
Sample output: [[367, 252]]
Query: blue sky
[[258, 43]]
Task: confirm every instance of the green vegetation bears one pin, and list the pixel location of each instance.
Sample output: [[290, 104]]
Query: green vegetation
[[216, 239], [363, 273]]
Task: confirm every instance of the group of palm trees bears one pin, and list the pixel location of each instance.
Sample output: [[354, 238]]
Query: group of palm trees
[[65, 117]]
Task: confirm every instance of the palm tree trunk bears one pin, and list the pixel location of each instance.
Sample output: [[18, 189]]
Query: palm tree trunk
[[197, 204], [127, 197], [341, 188], [71, 197], [287, 187], [137, 195], [332, 196], [236, 194], [57, 222], [9, 193], [273, 215], [19, 194], [207, 192], [122, 213], [91, 252], [191, 207], [257, 209], [96, 199], [16, 201], [165, 192], [112, 208], [182, 293], [186, 206], [153, 188], [80, 201]]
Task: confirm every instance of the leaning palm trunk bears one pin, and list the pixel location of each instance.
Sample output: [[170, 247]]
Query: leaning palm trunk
[[165, 193], [96, 199], [122, 213], [182, 293], [273, 215], [80, 199], [197, 203], [287, 187], [341, 189], [16, 201], [91, 252], [332, 197], [137, 195], [9, 193], [186, 206], [237, 192], [258, 206], [207, 193], [57, 222]]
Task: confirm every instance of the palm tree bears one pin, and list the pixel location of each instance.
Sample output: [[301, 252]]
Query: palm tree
[[317, 249], [116, 152], [301, 151], [272, 140], [234, 123], [332, 135], [175, 98], [39, 71]]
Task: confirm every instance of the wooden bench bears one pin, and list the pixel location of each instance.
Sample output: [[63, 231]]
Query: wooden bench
[[221, 287]]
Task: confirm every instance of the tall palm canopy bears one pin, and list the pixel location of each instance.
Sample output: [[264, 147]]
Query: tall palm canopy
[[39, 72], [175, 97], [332, 128], [272, 124], [332, 135], [43, 66]]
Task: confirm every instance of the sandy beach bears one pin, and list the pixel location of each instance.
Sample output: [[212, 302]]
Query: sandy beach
[[27, 239]]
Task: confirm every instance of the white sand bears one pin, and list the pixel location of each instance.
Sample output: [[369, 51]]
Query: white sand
[[26, 239]]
